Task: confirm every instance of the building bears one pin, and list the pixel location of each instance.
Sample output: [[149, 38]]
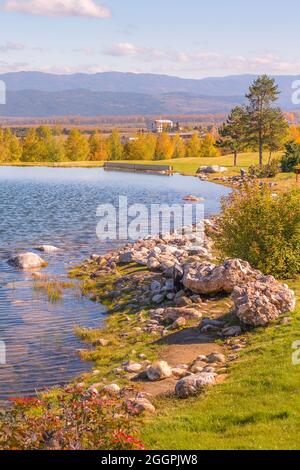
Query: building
[[162, 125]]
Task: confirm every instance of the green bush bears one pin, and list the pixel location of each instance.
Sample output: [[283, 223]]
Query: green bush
[[262, 229], [266, 171], [291, 157]]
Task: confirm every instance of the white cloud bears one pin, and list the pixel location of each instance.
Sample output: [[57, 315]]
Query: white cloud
[[11, 46], [58, 8], [122, 49]]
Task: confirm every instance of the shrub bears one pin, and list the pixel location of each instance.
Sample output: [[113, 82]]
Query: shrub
[[72, 422], [291, 157], [262, 229], [266, 171]]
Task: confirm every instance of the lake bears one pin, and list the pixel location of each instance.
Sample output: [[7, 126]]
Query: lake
[[57, 206]]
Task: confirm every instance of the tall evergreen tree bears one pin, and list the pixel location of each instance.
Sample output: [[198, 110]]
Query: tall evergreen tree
[[263, 93]]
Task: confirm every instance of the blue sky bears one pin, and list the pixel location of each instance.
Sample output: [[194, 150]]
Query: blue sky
[[190, 38]]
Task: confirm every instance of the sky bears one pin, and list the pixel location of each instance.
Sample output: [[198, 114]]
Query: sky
[[191, 38]]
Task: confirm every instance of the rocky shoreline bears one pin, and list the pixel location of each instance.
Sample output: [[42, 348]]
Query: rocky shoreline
[[172, 283]]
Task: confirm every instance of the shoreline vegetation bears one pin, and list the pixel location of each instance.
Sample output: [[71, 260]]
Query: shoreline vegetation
[[200, 348]]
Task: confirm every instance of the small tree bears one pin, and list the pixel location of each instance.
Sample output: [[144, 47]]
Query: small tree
[[179, 147], [115, 147], [233, 132], [208, 147], [261, 229], [77, 146], [291, 157], [260, 116], [193, 146], [164, 147]]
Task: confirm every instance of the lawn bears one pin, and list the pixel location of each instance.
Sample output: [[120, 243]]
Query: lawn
[[187, 166], [258, 407]]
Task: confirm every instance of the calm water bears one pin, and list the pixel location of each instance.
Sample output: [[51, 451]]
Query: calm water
[[58, 207]]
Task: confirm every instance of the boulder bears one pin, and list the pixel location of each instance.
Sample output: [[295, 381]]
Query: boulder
[[159, 371], [211, 169], [231, 331], [139, 406], [194, 384], [47, 249], [207, 278], [171, 314], [111, 389], [260, 302], [27, 261], [126, 258], [218, 358], [133, 367]]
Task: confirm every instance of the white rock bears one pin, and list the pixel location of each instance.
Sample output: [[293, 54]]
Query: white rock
[[48, 249], [27, 261], [194, 384], [112, 389], [159, 371]]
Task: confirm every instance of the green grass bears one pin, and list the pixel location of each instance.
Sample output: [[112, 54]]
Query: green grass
[[187, 166], [258, 407], [52, 288]]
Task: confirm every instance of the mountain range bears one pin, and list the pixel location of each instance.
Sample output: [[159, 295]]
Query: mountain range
[[37, 94]]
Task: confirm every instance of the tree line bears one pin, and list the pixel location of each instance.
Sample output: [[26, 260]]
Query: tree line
[[45, 144]]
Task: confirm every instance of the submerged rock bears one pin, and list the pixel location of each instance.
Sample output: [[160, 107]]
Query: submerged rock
[[47, 248], [27, 261], [260, 302]]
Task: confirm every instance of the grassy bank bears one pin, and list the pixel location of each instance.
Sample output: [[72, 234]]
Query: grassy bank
[[258, 407], [187, 166]]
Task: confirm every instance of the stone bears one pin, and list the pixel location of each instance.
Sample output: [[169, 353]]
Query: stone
[[183, 301], [216, 357], [207, 278], [156, 286], [158, 298], [179, 323], [159, 371], [102, 342], [47, 249], [133, 367], [231, 331], [171, 314], [126, 258], [112, 389], [212, 169], [27, 261], [139, 406], [179, 373], [153, 264], [194, 384], [260, 302], [191, 198]]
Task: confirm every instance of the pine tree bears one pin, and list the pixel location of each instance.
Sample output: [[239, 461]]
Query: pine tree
[[233, 132], [263, 93]]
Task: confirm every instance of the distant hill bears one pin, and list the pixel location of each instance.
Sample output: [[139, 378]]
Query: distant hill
[[33, 94]]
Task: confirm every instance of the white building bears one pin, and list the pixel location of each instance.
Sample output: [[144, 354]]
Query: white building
[[162, 125]]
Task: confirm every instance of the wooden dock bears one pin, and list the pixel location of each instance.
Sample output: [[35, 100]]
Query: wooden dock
[[136, 167]]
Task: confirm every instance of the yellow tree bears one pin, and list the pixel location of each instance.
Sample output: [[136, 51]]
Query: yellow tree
[[114, 145], [164, 147], [193, 146], [77, 147], [179, 147], [208, 147], [98, 147]]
